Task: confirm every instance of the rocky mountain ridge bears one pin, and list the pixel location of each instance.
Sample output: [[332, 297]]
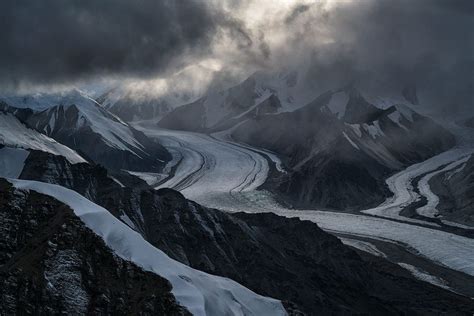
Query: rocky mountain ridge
[[231, 245], [340, 159], [80, 123], [51, 263]]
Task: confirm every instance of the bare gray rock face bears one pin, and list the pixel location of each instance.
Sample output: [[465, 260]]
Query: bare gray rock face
[[51, 264], [456, 192]]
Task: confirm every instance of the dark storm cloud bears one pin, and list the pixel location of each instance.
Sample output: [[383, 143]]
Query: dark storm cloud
[[378, 44], [462, 6], [389, 44], [62, 40], [301, 8]]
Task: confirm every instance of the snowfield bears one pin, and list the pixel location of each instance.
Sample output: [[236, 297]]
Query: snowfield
[[199, 292], [15, 134]]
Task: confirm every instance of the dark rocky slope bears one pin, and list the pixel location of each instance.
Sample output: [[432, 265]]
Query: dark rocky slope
[[51, 264], [80, 123], [21, 114], [129, 108], [269, 105], [221, 110], [456, 192], [342, 162], [90, 180], [288, 259], [99, 135]]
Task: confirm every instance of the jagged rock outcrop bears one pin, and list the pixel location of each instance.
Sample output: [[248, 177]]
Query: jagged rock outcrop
[[358, 109], [130, 107], [455, 190], [212, 110], [260, 93], [269, 105], [90, 180], [21, 114], [51, 264], [72, 118], [341, 161], [91, 130]]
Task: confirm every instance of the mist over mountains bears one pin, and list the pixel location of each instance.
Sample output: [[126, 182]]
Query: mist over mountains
[[237, 157], [379, 45]]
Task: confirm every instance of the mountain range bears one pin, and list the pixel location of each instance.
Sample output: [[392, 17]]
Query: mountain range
[[82, 232]]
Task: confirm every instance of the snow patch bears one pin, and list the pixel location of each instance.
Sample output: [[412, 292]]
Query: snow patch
[[424, 276], [265, 95], [350, 141], [117, 181], [355, 128], [364, 246], [396, 117], [127, 221], [374, 129]]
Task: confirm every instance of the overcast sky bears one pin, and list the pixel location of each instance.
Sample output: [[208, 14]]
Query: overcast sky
[[381, 43]]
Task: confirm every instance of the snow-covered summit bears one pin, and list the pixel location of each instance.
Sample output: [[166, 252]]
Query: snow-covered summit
[[76, 111], [288, 88], [78, 121], [14, 133]]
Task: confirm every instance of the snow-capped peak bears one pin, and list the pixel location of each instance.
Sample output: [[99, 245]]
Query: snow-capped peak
[[87, 113], [13, 133]]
